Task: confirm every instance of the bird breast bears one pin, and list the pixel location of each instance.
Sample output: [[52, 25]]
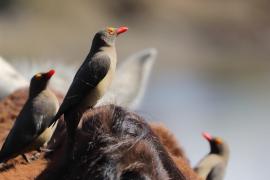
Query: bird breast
[[104, 84], [46, 100], [207, 164], [43, 138]]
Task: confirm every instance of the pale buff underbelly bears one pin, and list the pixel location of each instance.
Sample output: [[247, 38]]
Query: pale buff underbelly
[[42, 139]]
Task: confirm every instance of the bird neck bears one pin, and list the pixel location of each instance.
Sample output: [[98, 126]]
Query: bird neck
[[225, 153], [110, 51], [222, 152], [35, 91], [97, 45]]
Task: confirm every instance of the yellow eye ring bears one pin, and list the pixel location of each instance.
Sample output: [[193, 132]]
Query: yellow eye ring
[[38, 76], [218, 141], [110, 31]]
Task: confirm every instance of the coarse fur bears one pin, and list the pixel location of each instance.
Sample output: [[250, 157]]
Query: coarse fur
[[10, 79], [17, 168], [113, 143]]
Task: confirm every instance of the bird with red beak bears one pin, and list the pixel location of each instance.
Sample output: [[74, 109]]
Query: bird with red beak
[[213, 165], [92, 79], [32, 129]]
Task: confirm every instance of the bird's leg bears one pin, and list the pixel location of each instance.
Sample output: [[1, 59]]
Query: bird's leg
[[39, 150], [35, 156], [26, 158], [46, 150]]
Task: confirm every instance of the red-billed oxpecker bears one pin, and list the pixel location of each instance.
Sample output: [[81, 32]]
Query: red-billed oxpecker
[[92, 79], [213, 165], [32, 129]]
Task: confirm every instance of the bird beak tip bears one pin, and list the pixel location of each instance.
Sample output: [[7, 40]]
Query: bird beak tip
[[50, 73], [207, 136], [121, 30]]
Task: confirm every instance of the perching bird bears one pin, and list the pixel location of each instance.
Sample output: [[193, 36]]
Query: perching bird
[[32, 129], [92, 79], [213, 165]]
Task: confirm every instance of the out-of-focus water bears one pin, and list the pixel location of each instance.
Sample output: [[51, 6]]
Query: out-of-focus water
[[237, 110]]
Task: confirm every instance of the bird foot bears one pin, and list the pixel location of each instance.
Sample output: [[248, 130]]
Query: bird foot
[[35, 156]]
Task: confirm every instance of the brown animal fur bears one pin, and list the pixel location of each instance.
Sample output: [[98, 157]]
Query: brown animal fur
[[142, 153], [173, 148], [168, 140], [113, 142]]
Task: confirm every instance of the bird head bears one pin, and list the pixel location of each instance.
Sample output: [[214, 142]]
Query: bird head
[[40, 81], [107, 36], [217, 145]]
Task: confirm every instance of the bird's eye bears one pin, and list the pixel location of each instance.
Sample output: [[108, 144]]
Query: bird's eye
[[218, 141], [38, 76], [110, 31]]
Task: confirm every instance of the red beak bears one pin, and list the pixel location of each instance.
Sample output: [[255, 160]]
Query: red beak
[[207, 136], [50, 73], [121, 30]]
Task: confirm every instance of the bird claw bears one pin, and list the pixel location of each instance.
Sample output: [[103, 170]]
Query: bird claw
[[34, 157]]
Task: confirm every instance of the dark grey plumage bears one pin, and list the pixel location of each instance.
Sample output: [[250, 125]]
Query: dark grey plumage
[[213, 165], [32, 129]]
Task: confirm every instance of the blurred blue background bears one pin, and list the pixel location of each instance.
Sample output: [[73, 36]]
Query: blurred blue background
[[212, 72]]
